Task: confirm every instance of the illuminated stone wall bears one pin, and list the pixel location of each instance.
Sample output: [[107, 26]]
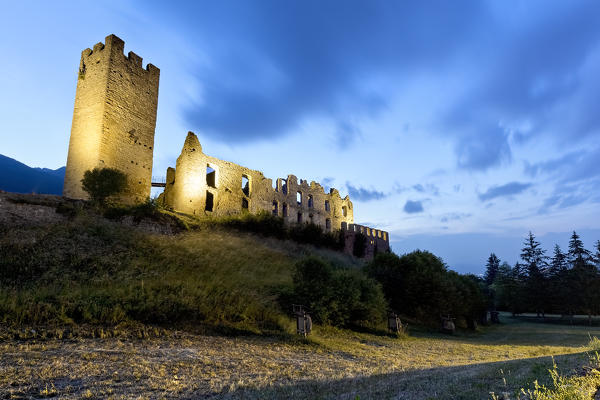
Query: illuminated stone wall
[[204, 185], [114, 119]]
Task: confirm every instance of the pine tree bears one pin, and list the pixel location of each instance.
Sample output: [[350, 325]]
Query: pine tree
[[584, 277], [535, 264], [558, 285], [578, 256], [491, 269]]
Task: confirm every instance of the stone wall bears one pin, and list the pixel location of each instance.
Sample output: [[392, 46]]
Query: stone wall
[[114, 119], [204, 185], [376, 240]]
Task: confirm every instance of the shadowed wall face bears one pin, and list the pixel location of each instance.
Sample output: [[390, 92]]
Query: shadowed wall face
[[114, 119]]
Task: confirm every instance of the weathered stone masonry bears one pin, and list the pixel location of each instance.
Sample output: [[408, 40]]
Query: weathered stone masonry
[[204, 185], [114, 119], [113, 126]]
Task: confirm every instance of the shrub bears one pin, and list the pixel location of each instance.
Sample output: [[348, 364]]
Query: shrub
[[102, 183], [339, 297]]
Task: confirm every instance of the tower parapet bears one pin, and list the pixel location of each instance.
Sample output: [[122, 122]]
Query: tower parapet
[[114, 118]]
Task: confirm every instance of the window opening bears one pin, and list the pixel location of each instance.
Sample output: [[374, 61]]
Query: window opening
[[275, 208], [209, 201], [244, 203], [246, 185], [328, 224], [299, 217], [299, 198], [344, 211], [310, 201], [211, 175], [284, 210], [284, 186], [327, 208]]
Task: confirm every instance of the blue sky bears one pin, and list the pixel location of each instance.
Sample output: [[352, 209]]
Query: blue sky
[[456, 126]]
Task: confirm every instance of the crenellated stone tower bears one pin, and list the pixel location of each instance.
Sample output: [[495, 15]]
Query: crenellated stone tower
[[114, 119]]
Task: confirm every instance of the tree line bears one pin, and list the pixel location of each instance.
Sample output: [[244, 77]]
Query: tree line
[[566, 283]]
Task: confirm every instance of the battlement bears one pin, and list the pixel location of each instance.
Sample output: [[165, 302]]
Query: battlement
[[367, 231], [114, 46], [114, 118]]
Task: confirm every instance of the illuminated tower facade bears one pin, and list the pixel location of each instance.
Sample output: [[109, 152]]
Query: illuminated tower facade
[[114, 119]]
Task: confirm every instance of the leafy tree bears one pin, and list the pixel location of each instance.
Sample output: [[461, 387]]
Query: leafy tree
[[339, 297], [102, 183], [505, 287], [419, 285], [535, 264]]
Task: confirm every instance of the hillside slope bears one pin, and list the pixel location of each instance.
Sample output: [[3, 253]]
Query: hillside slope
[[85, 269], [20, 178]]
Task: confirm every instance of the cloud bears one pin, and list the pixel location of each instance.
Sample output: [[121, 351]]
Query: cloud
[[362, 194], [413, 207], [266, 67], [508, 189], [454, 217], [427, 188], [499, 75]]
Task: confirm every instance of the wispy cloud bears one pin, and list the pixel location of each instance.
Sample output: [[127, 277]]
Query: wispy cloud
[[362, 194], [509, 189]]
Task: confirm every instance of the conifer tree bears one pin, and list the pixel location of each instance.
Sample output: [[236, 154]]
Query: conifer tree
[[558, 286], [584, 277], [534, 259], [491, 269]]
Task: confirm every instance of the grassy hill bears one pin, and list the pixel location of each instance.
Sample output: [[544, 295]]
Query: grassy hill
[[120, 307], [87, 269]]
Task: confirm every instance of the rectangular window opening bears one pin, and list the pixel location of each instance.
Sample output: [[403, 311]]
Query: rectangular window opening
[[211, 176], [299, 198], [209, 201], [284, 186], [328, 224], [246, 185], [310, 201], [327, 208], [344, 211], [275, 208]]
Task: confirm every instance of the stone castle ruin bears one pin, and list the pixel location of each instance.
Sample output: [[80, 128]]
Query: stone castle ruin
[[113, 126]]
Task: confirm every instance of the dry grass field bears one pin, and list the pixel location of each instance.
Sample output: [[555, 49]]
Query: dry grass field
[[331, 364]]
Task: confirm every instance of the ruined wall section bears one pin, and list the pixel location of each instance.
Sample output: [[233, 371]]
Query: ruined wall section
[[114, 118], [205, 185], [377, 241]]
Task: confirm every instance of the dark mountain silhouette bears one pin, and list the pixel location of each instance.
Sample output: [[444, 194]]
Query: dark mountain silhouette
[[20, 178]]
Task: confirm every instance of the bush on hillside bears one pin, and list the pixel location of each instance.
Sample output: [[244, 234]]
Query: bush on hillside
[[102, 183], [340, 297]]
